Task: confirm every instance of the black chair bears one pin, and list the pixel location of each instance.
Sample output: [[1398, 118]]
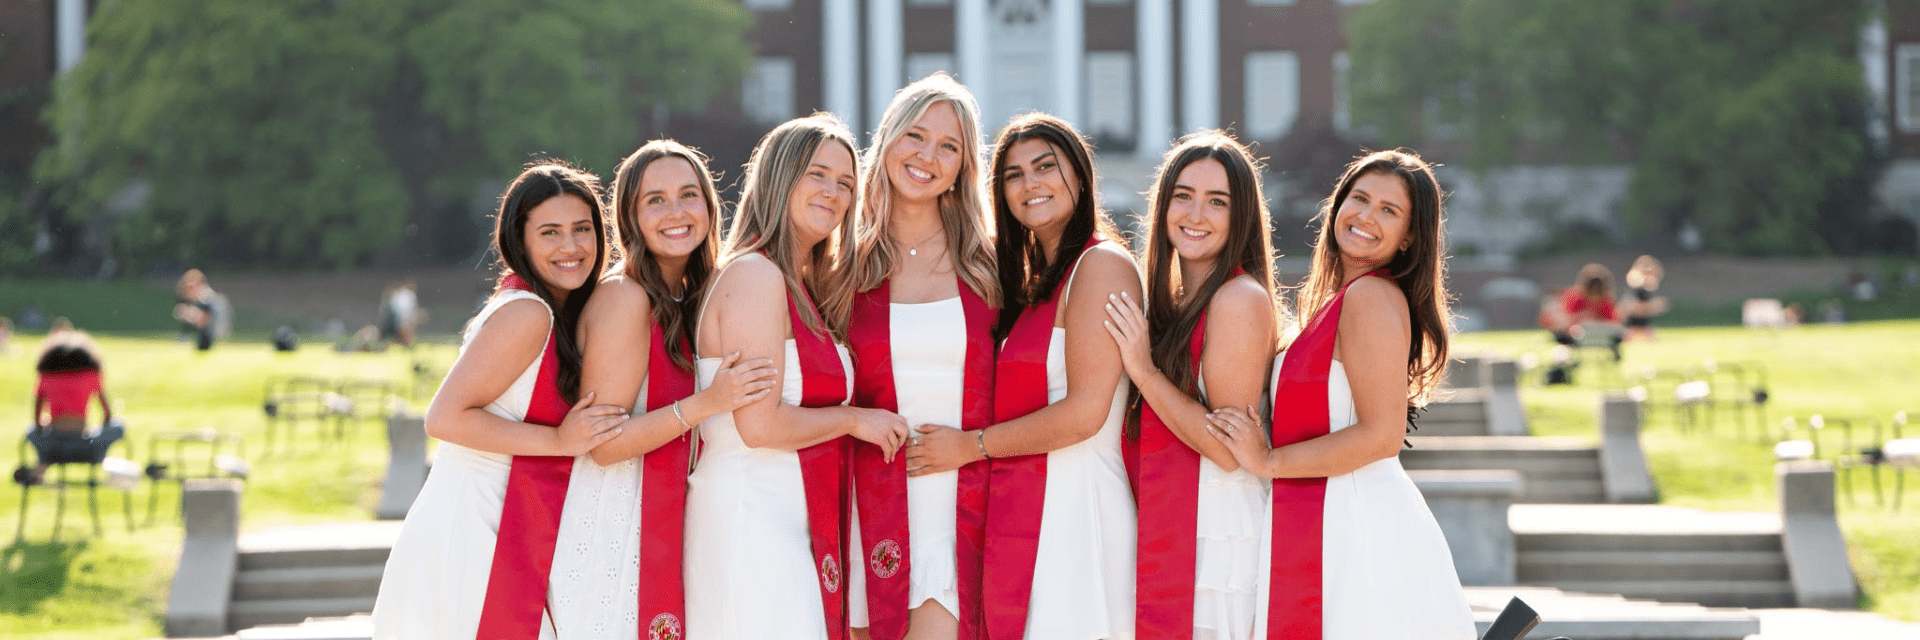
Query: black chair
[[292, 400], [173, 462], [60, 459]]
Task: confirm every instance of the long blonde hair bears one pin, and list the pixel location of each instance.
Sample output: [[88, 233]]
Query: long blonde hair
[[963, 209], [761, 221]]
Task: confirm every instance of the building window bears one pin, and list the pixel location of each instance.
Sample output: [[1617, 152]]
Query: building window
[[1906, 80], [921, 65], [1342, 100], [1109, 98], [766, 94], [1270, 3], [1273, 93], [930, 3], [768, 5]]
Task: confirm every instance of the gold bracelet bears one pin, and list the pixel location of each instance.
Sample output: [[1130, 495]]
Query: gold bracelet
[[980, 438], [677, 416]]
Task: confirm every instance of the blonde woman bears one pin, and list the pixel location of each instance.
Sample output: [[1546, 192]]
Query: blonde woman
[[925, 270]]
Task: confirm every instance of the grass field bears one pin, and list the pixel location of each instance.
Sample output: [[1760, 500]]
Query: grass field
[[114, 585]]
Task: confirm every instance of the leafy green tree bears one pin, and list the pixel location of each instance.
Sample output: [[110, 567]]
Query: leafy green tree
[[1740, 117], [326, 131]]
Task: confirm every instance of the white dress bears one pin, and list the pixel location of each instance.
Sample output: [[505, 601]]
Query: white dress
[[1083, 573], [596, 560], [749, 558], [929, 376], [1231, 531], [436, 575], [1387, 570]]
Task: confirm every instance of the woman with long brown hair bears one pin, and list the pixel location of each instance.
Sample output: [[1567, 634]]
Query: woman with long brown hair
[[765, 553], [1351, 536], [1202, 343]]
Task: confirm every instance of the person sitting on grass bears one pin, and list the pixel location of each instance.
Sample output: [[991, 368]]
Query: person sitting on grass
[[69, 368], [1585, 311]]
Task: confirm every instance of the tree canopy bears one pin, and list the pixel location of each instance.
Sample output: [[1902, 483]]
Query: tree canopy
[[1742, 118], [323, 132]]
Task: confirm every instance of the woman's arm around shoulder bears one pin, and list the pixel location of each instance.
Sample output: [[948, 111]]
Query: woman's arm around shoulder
[[501, 349]]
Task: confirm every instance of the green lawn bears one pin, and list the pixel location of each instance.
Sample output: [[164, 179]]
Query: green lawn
[[1861, 372], [114, 585]]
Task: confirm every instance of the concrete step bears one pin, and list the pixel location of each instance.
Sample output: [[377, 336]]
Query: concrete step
[[1538, 491], [245, 614], [1611, 617], [308, 582], [1711, 593], [355, 627], [313, 558], [1548, 566], [1640, 542], [1584, 465], [1435, 428]]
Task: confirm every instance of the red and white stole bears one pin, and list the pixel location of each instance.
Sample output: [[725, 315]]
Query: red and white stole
[[663, 503], [882, 487], [823, 471], [530, 513], [1016, 485], [1299, 504], [1165, 474]]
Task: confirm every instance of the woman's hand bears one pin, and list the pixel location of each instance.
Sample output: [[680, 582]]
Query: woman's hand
[[1129, 329], [883, 428], [1244, 436], [736, 384], [586, 426], [938, 448]]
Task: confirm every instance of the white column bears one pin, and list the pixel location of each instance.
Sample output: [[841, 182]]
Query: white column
[[1154, 41], [1200, 64], [1069, 60], [970, 55], [840, 58], [69, 33], [886, 56]]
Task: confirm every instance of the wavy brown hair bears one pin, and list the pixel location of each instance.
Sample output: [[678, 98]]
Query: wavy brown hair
[[963, 209], [1420, 270], [673, 315], [1171, 322], [761, 222], [1026, 276], [541, 181]]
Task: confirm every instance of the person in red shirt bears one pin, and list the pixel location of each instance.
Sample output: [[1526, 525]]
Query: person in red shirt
[[69, 368], [1585, 308]]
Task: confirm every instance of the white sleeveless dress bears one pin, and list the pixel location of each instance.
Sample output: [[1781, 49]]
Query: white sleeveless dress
[[1387, 570], [436, 575], [1232, 529], [596, 560], [749, 558], [929, 376], [1083, 575]]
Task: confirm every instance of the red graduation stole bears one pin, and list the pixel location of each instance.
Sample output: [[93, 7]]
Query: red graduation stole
[[530, 513], [1299, 504], [823, 383], [1017, 485], [882, 487], [1165, 473], [663, 504]]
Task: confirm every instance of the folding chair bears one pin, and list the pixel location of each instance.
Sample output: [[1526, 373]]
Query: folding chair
[[60, 461], [177, 467]]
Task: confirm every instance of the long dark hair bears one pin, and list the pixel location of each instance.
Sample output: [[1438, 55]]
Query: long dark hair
[[542, 181], [1420, 270], [637, 262], [1170, 322], [1026, 276]]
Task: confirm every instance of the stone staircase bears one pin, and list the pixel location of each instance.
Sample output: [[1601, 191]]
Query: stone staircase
[[1552, 470], [287, 577], [1715, 570]]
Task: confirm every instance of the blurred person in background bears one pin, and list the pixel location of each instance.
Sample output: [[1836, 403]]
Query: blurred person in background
[[203, 313], [69, 377], [1585, 310], [1643, 301]]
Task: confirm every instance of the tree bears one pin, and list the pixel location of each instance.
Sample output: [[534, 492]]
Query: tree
[[326, 131], [1742, 118]]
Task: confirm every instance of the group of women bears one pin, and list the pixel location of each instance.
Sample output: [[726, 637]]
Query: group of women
[[920, 391]]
